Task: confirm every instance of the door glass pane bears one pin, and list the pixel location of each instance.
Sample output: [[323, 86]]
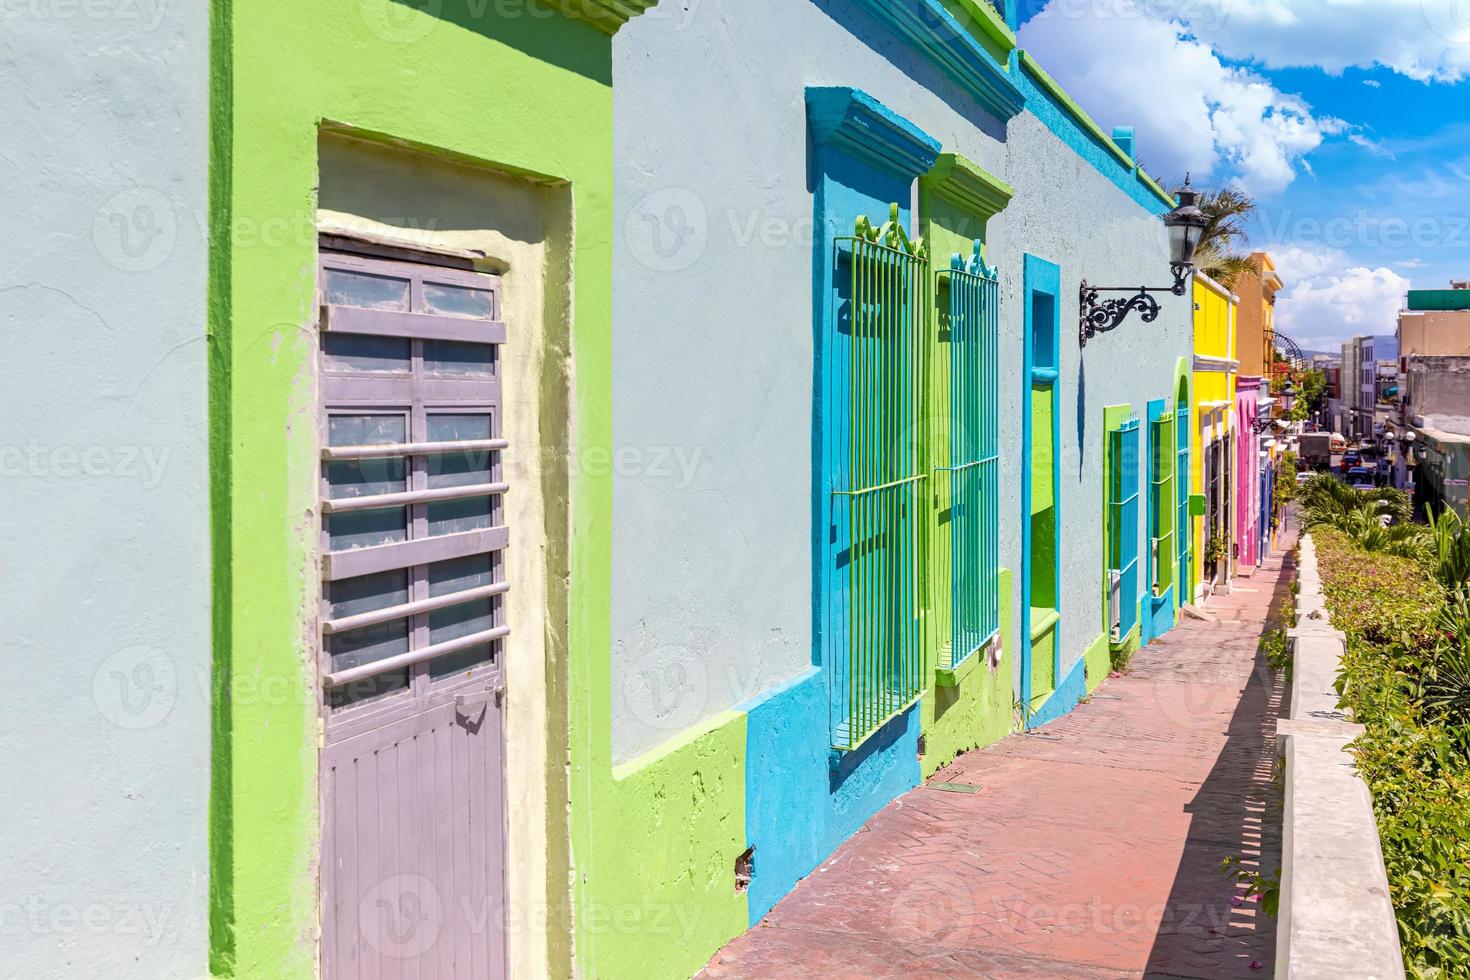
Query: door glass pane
[[366, 477], [351, 596], [365, 593], [458, 300], [454, 622], [458, 357], [453, 516], [364, 353], [368, 689], [342, 288], [365, 528], [459, 469], [459, 574]]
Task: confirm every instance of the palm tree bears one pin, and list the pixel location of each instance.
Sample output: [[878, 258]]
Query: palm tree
[[1378, 520], [1217, 254]]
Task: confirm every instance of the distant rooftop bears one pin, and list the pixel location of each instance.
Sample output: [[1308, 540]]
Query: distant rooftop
[[1447, 428], [1455, 298]]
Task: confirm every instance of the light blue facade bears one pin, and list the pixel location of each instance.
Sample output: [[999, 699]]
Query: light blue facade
[[104, 555], [727, 199]]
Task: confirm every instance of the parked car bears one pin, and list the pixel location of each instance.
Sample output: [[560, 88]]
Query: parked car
[[1303, 476], [1360, 478], [1350, 459]]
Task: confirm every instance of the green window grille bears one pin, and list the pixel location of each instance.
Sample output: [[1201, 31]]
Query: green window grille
[[1123, 529], [1162, 503], [876, 658], [968, 482]]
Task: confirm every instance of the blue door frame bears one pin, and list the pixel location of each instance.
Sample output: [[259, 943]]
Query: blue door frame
[[1039, 278]]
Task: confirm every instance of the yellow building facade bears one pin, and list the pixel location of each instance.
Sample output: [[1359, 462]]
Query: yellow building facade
[[1212, 446]]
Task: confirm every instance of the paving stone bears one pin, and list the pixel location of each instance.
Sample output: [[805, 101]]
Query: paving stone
[[1094, 855]]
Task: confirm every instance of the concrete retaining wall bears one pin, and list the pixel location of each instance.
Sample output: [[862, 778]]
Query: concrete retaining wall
[[1336, 918]]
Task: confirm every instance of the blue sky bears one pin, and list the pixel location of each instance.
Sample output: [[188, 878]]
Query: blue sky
[[1348, 121]]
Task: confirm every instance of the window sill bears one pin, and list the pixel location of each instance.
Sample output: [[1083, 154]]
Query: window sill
[[1041, 621]]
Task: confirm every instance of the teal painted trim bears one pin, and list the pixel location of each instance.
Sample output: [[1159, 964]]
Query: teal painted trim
[[1438, 299], [1068, 694], [1050, 103], [1044, 375], [1038, 277], [1054, 89], [933, 31], [852, 120]]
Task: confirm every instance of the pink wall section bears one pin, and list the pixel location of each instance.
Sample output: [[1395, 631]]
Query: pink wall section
[[1247, 472]]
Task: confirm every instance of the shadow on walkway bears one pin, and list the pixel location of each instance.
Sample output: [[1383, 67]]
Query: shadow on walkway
[[1236, 813]]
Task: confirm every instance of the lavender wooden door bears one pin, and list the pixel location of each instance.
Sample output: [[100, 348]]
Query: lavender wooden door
[[413, 621]]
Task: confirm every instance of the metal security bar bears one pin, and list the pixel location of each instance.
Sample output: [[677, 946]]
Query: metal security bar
[[1162, 503], [1181, 497], [1123, 525], [876, 661], [973, 471]]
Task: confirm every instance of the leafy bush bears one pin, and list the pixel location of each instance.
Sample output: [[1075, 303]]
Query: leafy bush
[[1376, 520], [1406, 678]]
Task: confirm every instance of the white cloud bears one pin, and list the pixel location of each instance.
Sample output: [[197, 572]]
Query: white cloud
[[1411, 264], [1377, 149], [1427, 40], [1372, 83], [1328, 299], [1193, 112]]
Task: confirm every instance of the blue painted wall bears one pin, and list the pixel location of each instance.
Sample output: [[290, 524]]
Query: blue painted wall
[[803, 799]]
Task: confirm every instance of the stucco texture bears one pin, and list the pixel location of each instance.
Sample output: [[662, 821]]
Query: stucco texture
[[526, 96], [713, 357], [104, 555]]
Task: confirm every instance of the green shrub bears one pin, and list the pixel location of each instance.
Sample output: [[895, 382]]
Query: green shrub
[[1406, 678]]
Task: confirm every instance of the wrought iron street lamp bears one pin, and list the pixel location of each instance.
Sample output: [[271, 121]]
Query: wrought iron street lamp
[[1185, 223]]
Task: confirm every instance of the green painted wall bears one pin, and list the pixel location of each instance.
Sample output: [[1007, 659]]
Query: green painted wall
[[977, 710], [529, 96], [955, 201], [656, 845]]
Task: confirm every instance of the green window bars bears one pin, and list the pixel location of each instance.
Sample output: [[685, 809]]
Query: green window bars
[[1123, 529], [1162, 504], [966, 448], [876, 668]]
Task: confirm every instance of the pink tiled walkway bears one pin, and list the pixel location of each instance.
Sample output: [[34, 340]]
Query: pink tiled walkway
[[1091, 850]]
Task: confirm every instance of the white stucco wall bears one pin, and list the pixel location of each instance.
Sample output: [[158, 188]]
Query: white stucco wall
[[104, 552], [712, 351]]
